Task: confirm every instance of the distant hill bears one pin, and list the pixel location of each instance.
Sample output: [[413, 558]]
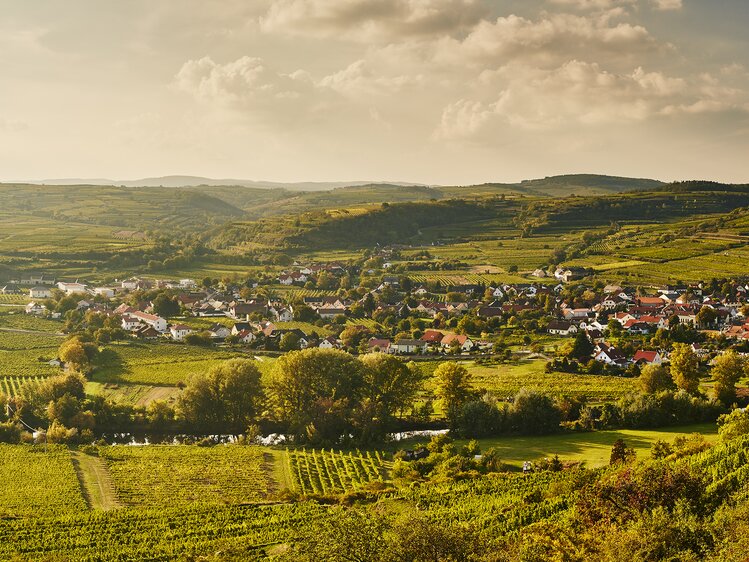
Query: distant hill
[[199, 181]]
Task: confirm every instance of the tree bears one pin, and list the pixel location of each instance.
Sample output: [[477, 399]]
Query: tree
[[453, 386], [582, 348], [227, 398], [706, 316], [165, 306], [289, 341], [727, 369], [685, 368], [620, 453], [654, 378], [75, 354], [733, 425], [534, 413], [389, 387], [314, 391]]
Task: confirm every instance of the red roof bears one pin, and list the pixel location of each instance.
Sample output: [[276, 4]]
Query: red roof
[[647, 356]]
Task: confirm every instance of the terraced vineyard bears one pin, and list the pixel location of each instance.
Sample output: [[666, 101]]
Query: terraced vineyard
[[181, 475], [332, 472]]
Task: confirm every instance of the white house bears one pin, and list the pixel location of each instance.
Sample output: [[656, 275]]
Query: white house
[[328, 343], [561, 328], [180, 331], [72, 288], [129, 323], [40, 292], [35, 308], [106, 292], [156, 322], [408, 346], [219, 331], [187, 283], [466, 343]]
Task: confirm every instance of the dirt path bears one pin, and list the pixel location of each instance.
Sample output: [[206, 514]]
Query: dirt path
[[95, 481]]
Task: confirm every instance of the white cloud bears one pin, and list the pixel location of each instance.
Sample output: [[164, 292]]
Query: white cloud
[[666, 5], [249, 85], [552, 39], [368, 20], [360, 79], [573, 95]]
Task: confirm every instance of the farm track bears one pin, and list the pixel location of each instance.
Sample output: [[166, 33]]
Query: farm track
[[96, 483], [21, 331]]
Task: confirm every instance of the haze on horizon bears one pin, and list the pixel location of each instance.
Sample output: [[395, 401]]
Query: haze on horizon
[[429, 91]]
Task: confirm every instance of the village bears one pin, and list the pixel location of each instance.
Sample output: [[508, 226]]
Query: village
[[623, 326]]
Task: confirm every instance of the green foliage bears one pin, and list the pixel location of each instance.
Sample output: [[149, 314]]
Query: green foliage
[[685, 368], [227, 398]]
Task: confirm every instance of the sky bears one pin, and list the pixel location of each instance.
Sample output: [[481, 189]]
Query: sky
[[430, 91]]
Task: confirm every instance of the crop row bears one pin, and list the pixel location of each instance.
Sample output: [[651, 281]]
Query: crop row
[[332, 472], [11, 386]]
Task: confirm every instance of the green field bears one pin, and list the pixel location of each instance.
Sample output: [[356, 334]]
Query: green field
[[505, 380], [157, 364], [38, 481], [183, 475], [594, 448]]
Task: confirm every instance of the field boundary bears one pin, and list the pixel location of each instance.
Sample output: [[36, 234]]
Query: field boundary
[[95, 481]]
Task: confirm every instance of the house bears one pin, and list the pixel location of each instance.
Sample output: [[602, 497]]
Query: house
[[11, 289], [421, 291], [281, 314], [650, 302], [570, 274], [647, 357], [129, 323], [124, 309], [285, 279], [40, 292], [538, 273], [180, 331], [35, 308], [561, 328], [188, 284], [330, 313], [157, 322], [576, 313], [245, 336], [608, 354], [408, 346], [219, 331], [382, 345], [72, 288], [465, 343], [328, 343], [240, 327], [432, 337], [146, 332], [106, 292]]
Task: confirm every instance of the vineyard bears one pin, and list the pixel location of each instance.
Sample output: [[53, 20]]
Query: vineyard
[[185, 475], [333, 472], [156, 363], [27, 355], [20, 300], [38, 481], [12, 386]]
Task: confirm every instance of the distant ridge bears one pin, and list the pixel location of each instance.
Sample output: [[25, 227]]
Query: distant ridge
[[198, 181]]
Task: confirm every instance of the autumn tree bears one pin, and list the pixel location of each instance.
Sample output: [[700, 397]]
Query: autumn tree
[[654, 378], [453, 386], [685, 368], [727, 369]]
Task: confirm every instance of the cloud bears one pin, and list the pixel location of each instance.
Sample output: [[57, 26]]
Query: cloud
[[368, 20], [666, 5], [575, 94], [360, 79], [549, 40], [250, 85]]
